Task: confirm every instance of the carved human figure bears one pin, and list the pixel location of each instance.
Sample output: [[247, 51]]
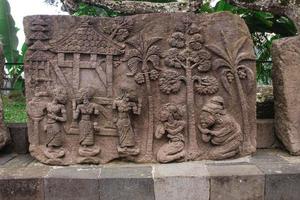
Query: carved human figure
[[171, 125], [220, 129], [55, 117], [126, 104], [84, 112]]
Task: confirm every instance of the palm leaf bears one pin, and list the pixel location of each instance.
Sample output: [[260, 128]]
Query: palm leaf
[[152, 41], [132, 53], [238, 45], [133, 65], [218, 51], [219, 63], [244, 57], [155, 60]]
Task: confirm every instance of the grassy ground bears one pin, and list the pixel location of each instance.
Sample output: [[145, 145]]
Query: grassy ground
[[14, 108]]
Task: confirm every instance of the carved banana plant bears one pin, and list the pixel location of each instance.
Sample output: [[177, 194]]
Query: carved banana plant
[[143, 61], [231, 66]]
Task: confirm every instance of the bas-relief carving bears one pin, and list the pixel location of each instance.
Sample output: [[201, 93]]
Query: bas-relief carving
[[131, 89]]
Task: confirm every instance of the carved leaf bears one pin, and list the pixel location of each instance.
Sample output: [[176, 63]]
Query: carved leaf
[[219, 63], [152, 41], [219, 52], [249, 78], [244, 56], [225, 80], [153, 50], [133, 65], [134, 42], [155, 61], [238, 45], [132, 53]]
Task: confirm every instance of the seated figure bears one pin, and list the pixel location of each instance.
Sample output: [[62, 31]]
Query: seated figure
[[171, 125], [220, 129]]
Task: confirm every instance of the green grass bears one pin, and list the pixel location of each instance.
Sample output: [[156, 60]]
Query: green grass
[[14, 108]]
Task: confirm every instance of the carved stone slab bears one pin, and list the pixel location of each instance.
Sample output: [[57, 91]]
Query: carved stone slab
[[146, 88], [286, 69], [4, 137]]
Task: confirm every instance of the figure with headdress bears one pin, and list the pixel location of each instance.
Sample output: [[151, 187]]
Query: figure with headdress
[[84, 112], [220, 129], [55, 117], [125, 105], [171, 125]]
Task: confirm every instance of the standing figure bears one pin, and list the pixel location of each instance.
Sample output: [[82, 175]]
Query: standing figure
[[84, 112], [126, 103], [56, 116], [173, 126], [220, 129]]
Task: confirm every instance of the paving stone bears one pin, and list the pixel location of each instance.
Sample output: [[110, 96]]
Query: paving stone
[[236, 182], [181, 181], [22, 183], [267, 156], [128, 183], [282, 181], [69, 183]]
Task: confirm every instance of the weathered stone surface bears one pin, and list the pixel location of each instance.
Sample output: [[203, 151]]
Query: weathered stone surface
[[282, 181], [132, 183], [266, 138], [72, 184], [4, 136], [19, 137], [181, 181], [22, 183], [146, 88], [236, 182], [286, 56]]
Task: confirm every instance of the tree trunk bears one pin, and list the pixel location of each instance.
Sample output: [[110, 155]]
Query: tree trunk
[[149, 154], [193, 148], [247, 144]]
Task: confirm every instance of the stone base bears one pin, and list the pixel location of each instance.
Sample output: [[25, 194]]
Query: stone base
[[269, 174]]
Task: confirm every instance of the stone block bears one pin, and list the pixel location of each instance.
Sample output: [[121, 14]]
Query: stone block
[[23, 183], [71, 183], [134, 183], [266, 138], [286, 59], [282, 181], [236, 182], [142, 88], [19, 137], [181, 181]]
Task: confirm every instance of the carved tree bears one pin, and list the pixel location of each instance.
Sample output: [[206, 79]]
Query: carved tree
[[187, 52], [143, 62], [231, 66]]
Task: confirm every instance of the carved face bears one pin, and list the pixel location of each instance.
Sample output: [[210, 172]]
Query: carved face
[[164, 115], [207, 119]]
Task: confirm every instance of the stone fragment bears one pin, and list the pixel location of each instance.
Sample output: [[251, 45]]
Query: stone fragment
[[286, 58], [134, 183], [236, 182], [181, 181], [147, 88], [19, 137], [4, 136]]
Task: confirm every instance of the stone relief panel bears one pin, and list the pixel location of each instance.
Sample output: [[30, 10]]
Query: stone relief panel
[[147, 88]]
